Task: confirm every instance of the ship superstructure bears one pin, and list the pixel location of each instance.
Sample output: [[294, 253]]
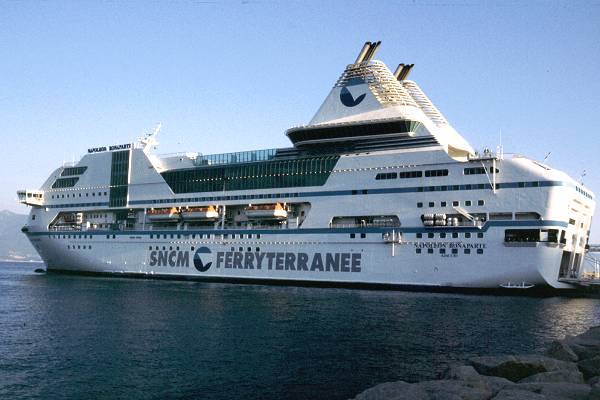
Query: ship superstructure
[[377, 189]]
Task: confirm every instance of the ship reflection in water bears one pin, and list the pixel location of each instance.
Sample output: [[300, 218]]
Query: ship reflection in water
[[80, 337]]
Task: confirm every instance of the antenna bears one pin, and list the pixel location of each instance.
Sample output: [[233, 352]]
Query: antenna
[[584, 173], [547, 155], [500, 149], [149, 140]]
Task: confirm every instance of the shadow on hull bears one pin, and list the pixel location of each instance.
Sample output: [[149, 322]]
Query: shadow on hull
[[545, 291]]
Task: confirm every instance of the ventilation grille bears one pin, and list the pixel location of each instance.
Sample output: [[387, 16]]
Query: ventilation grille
[[382, 83]]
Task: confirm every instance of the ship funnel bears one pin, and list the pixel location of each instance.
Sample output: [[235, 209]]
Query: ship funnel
[[398, 71], [363, 53], [402, 71], [369, 56]]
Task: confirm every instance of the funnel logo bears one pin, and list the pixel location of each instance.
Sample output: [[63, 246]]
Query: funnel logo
[[200, 266], [348, 100]]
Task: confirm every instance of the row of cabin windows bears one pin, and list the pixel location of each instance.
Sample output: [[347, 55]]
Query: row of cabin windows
[[362, 235], [454, 251], [207, 236], [583, 192], [79, 247], [71, 236], [248, 249], [296, 194], [58, 196], [455, 203], [443, 235], [411, 174], [479, 170]]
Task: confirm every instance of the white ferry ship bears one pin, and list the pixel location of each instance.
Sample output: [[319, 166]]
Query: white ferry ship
[[378, 189]]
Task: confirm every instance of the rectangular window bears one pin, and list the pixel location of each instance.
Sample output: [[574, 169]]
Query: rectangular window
[[419, 235], [522, 235], [479, 170], [454, 251], [442, 251], [430, 235], [436, 172], [386, 175], [429, 251], [480, 202], [467, 251], [527, 215], [468, 203], [418, 251], [455, 204], [419, 205], [467, 235], [479, 251], [443, 204], [411, 174], [500, 216], [431, 204]]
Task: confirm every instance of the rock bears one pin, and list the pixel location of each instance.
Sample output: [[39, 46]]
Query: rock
[[496, 384], [454, 390], [586, 345], [594, 394], [590, 367], [512, 394], [594, 381], [462, 373], [562, 390], [562, 375], [393, 391], [560, 350], [516, 368]]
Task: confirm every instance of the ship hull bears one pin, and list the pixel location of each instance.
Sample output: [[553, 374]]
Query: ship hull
[[318, 258]]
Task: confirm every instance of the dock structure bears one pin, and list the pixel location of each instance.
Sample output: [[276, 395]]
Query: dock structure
[[589, 274]]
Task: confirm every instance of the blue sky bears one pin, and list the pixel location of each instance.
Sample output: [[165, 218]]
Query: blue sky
[[234, 75]]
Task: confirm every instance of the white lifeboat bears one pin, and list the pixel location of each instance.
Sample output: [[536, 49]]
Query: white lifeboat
[[200, 213], [163, 214], [266, 211]]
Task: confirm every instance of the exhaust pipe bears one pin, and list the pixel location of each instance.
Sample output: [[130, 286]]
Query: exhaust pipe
[[398, 71], [371, 52], [403, 74], [363, 53]]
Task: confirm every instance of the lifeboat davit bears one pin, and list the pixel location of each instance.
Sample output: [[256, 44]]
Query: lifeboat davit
[[199, 213], [266, 211], [163, 214]]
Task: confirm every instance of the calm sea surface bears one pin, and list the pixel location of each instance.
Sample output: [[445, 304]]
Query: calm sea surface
[[83, 337]]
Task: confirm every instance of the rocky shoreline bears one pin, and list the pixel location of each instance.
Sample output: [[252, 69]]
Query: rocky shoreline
[[569, 369]]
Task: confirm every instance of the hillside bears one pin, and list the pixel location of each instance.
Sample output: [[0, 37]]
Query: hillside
[[13, 244]]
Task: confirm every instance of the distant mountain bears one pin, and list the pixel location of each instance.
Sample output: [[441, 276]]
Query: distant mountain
[[13, 243]]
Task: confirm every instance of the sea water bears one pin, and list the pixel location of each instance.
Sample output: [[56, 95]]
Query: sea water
[[67, 337]]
